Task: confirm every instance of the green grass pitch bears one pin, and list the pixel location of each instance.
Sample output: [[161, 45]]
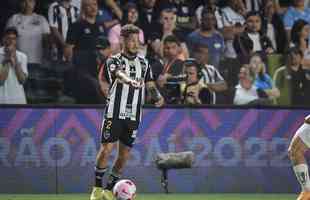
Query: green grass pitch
[[156, 197]]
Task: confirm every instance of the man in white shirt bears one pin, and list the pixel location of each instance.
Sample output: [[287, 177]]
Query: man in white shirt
[[13, 70], [246, 92]]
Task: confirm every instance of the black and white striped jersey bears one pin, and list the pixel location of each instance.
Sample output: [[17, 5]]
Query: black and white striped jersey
[[61, 18], [125, 101], [211, 75]]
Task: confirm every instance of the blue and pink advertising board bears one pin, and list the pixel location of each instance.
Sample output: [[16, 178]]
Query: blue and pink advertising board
[[237, 150]]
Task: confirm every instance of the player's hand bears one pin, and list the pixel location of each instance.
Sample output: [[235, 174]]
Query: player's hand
[[136, 84], [160, 102]]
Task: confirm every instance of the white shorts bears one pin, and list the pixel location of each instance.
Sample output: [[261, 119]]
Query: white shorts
[[304, 133]]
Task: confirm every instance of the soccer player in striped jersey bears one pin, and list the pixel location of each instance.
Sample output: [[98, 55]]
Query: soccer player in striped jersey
[[299, 145], [128, 75]]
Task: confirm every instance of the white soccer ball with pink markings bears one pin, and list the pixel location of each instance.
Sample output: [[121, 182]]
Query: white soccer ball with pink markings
[[124, 190]]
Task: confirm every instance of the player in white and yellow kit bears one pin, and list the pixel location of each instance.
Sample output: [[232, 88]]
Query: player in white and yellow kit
[[299, 145]]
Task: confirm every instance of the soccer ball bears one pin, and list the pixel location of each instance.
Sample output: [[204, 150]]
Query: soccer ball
[[124, 190]]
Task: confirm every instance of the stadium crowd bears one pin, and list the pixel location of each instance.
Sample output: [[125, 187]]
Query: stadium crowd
[[201, 52]]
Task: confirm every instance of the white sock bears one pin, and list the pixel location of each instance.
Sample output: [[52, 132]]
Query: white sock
[[302, 174]]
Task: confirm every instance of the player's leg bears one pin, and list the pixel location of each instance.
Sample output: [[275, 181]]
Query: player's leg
[[108, 140], [126, 141], [299, 145], [102, 162], [100, 169], [115, 174], [119, 164]]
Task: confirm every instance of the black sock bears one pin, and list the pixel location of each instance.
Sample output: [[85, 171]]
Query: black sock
[[99, 173], [113, 178]]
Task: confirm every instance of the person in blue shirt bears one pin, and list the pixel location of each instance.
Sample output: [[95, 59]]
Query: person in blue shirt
[[294, 13], [208, 35], [263, 80]]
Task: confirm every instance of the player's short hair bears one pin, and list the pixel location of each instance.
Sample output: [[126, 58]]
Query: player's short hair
[[129, 29]]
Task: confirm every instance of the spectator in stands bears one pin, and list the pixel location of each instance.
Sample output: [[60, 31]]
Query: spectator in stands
[[193, 91], [282, 6], [211, 6], [130, 16], [103, 49], [76, 3], [208, 36], [233, 20], [295, 12], [246, 92], [168, 27], [273, 27], [210, 76], [33, 40], [300, 39], [105, 14], [113, 8], [185, 13], [173, 66], [33, 32], [61, 15], [171, 51], [148, 18], [13, 70], [81, 50], [7, 9], [253, 5], [262, 79], [252, 40], [168, 23], [293, 80]]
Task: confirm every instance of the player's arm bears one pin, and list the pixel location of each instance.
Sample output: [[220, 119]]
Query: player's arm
[[115, 71], [103, 83], [123, 77], [152, 89]]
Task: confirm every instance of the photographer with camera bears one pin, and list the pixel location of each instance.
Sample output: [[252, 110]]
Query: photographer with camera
[[173, 68], [13, 70], [193, 91]]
